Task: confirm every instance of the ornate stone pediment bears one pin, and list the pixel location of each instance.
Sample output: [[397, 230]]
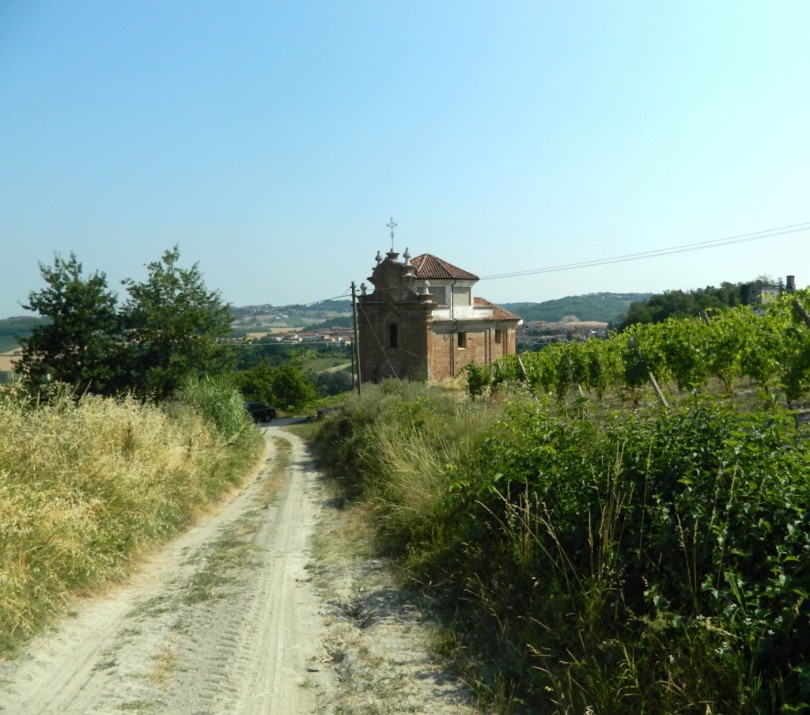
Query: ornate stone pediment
[[394, 282]]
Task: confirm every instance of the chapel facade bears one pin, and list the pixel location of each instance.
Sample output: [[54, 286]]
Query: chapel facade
[[422, 321]]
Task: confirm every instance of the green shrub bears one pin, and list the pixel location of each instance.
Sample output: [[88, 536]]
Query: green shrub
[[637, 561], [217, 401], [676, 541]]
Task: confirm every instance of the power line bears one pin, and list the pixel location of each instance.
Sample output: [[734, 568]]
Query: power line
[[686, 248], [347, 294]]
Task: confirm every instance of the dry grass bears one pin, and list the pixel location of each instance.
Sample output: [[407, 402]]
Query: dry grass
[[418, 465], [86, 487]]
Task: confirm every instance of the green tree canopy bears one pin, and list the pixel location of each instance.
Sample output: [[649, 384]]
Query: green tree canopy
[[166, 331], [173, 322], [292, 387], [80, 344], [286, 386], [683, 304]]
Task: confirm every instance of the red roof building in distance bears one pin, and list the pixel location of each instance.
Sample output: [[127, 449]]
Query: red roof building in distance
[[432, 268], [422, 321]]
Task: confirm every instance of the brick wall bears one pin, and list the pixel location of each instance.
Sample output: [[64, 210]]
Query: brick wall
[[424, 350], [379, 359], [446, 358]]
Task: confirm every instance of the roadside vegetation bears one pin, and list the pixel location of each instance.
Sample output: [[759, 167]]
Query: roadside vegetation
[[596, 546], [123, 423], [89, 485]]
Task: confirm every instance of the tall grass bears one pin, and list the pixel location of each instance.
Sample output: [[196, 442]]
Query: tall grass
[[88, 485], [216, 402], [643, 560], [399, 448]]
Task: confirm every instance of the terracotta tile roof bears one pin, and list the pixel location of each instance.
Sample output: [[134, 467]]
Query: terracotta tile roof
[[433, 268], [497, 312]]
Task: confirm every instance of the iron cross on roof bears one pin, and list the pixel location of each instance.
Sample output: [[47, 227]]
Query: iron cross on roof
[[392, 226]]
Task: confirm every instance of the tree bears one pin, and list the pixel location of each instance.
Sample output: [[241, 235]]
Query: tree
[[256, 382], [332, 382], [292, 387], [286, 386], [80, 343], [679, 304], [173, 322]]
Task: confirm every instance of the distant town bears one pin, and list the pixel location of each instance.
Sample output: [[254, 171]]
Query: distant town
[[329, 323]]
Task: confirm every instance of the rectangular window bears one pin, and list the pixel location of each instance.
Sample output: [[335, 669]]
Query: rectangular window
[[498, 337], [462, 341], [439, 295], [461, 297], [393, 338]]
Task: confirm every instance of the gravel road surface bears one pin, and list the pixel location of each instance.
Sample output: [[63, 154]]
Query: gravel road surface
[[271, 605]]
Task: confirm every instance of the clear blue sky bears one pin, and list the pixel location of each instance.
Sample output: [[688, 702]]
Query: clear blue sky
[[273, 140]]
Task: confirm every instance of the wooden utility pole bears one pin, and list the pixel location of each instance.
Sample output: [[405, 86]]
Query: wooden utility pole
[[354, 339], [355, 342]]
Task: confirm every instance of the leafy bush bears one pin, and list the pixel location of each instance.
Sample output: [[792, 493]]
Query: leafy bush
[[286, 386], [217, 401], [333, 382], [636, 561], [666, 547]]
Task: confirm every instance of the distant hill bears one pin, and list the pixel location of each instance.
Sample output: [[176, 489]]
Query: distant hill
[[252, 318], [12, 328], [602, 307], [324, 306]]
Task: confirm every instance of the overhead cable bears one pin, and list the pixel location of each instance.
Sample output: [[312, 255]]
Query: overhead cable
[[699, 246]]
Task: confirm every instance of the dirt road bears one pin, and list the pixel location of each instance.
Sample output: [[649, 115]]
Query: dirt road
[[272, 605]]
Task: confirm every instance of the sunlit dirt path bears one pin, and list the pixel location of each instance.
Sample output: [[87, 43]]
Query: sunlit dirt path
[[234, 617]]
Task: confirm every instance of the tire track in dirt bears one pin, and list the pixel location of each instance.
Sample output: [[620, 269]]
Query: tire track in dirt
[[219, 622], [235, 618]]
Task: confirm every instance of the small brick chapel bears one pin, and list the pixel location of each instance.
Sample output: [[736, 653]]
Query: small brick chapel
[[423, 322]]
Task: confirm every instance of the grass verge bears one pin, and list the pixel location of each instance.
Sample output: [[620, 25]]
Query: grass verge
[[87, 486], [640, 559]]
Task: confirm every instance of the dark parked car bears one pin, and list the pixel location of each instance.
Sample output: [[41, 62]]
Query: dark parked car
[[260, 412]]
